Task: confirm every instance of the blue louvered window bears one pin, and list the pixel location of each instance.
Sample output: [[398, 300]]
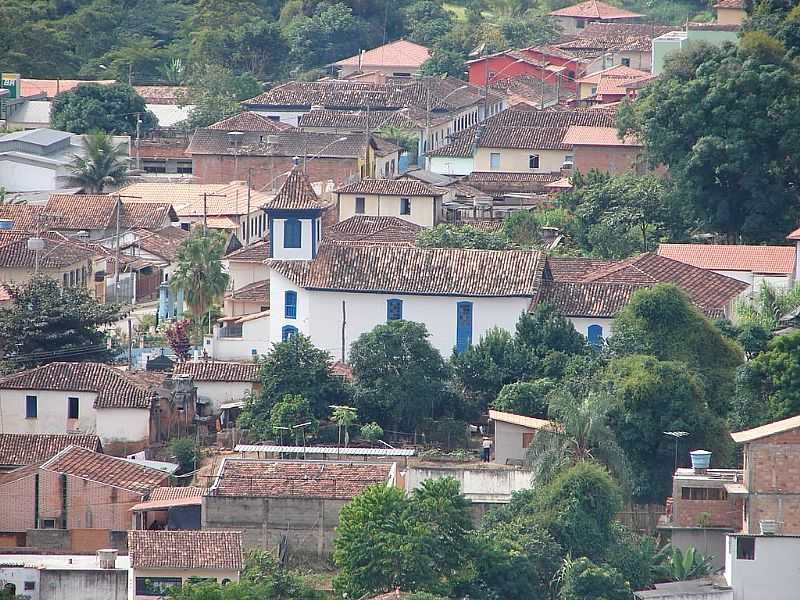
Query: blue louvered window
[[290, 302], [463, 326], [292, 233], [287, 332], [394, 309], [31, 408]]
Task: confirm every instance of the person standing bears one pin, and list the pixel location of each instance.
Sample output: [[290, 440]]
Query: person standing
[[487, 449]]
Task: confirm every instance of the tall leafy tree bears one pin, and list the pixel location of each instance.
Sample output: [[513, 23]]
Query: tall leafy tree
[[725, 121], [294, 367], [769, 383], [581, 579], [47, 323], [401, 379], [102, 163], [200, 274], [427, 21], [330, 34], [92, 107], [214, 93], [460, 236], [289, 411]]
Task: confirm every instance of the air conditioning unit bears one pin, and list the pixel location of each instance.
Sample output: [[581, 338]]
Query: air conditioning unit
[[769, 527]]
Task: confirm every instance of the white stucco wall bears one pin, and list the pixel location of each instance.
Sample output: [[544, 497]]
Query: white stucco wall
[[478, 484], [581, 325], [451, 165], [255, 336], [183, 574], [289, 116], [772, 574], [17, 176], [508, 440], [425, 210], [18, 576], [319, 315], [51, 412], [218, 392], [244, 273], [517, 161], [301, 253], [123, 424]]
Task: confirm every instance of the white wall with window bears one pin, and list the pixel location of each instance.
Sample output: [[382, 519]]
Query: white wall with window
[[520, 160], [447, 318], [763, 566], [426, 211]]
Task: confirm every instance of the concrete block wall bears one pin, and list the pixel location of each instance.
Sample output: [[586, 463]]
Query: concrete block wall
[[613, 159], [107, 584], [772, 477]]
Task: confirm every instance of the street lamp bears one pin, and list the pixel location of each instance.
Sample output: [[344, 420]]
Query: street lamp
[[676, 435], [336, 141]]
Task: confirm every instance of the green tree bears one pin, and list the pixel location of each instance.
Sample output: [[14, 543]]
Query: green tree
[[427, 21], [102, 163], [214, 93], [581, 579], [662, 322], [522, 228], [330, 34], [776, 375], [580, 433], [200, 274], [186, 453], [444, 62], [578, 509], [650, 397], [372, 432], [401, 378], [344, 417], [544, 330], [289, 411], [527, 398], [678, 565], [460, 236], [294, 367], [46, 323], [725, 121], [92, 107]]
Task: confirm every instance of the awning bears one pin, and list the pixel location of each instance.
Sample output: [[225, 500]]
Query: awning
[[237, 404], [736, 489], [165, 504]]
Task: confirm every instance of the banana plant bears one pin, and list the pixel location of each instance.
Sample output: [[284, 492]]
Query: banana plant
[[676, 565]]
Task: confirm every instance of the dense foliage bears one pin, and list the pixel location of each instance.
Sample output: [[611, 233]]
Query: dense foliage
[[47, 323], [94, 107]]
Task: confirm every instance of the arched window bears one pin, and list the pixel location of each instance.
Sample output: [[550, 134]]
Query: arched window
[[287, 332], [290, 303], [394, 309], [595, 335], [292, 233]]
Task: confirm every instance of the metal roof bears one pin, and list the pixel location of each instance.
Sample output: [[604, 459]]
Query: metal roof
[[326, 450]]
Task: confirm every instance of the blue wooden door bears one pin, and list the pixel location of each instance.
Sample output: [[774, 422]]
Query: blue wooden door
[[463, 326]]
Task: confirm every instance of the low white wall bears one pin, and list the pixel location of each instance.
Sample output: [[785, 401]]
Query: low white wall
[[477, 484], [218, 392], [123, 424], [772, 574]]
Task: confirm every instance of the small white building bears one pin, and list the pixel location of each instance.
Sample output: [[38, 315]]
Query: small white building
[[78, 397], [512, 435], [407, 199], [219, 382], [763, 566]]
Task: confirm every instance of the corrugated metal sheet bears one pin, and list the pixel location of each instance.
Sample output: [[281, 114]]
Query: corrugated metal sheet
[[326, 450]]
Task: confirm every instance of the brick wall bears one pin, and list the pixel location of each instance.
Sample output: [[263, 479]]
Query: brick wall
[[772, 476], [222, 169], [611, 159], [713, 513]]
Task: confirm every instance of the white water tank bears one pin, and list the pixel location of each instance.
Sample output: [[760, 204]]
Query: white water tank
[[107, 558]]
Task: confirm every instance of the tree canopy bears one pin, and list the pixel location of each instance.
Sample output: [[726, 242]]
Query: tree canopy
[[93, 107], [47, 323]]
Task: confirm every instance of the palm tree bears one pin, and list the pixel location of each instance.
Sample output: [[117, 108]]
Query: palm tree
[[343, 416], [579, 432], [101, 164], [200, 274]]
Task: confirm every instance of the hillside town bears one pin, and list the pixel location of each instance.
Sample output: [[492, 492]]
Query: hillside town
[[419, 300]]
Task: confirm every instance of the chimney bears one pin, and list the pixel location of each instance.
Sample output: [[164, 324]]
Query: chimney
[[701, 459], [107, 558]]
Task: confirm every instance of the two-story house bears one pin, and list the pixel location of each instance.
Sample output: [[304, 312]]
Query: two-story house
[[408, 199]]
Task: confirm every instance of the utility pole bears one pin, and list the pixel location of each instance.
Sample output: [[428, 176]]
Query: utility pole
[[249, 185], [205, 209], [130, 73], [138, 132]]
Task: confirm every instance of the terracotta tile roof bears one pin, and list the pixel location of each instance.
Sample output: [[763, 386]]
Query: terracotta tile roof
[[757, 433], [162, 242], [108, 470], [51, 87], [598, 136], [161, 94], [709, 291], [257, 252], [730, 4], [489, 225], [410, 270], [390, 187], [24, 215], [20, 473], [57, 253], [289, 143], [616, 37], [773, 260], [400, 53], [377, 230], [594, 9], [291, 479], [99, 211], [618, 71], [500, 182], [588, 299], [546, 127], [250, 121], [575, 269], [185, 550], [258, 291], [29, 448], [296, 193], [360, 120], [176, 493], [187, 198], [114, 388], [215, 370], [343, 370]]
